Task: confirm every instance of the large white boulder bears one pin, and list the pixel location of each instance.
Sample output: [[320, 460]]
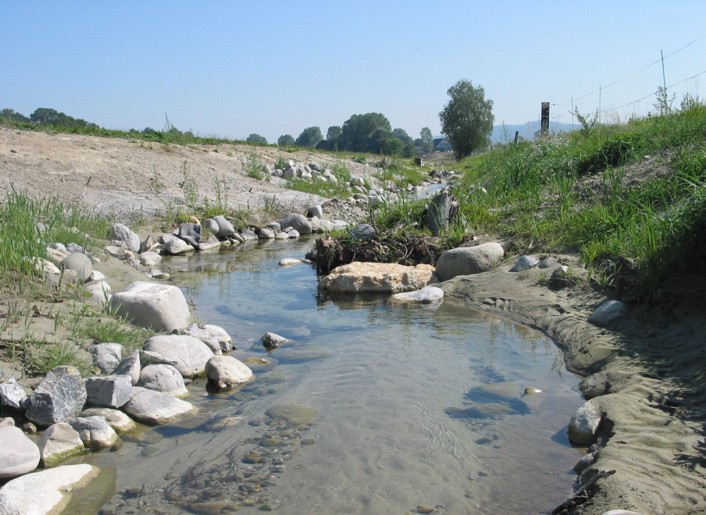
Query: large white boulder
[[468, 260], [160, 307], [358, 277]]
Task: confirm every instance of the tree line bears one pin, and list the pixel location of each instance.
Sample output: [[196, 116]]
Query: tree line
[[370, 132], [466, 120]]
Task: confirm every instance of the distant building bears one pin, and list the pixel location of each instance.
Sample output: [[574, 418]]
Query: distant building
[[442, 145]]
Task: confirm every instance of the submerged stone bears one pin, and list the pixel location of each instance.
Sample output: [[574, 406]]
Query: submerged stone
[[294, 414]]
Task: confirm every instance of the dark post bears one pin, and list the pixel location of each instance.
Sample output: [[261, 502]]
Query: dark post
[[517, 136], [545, 119]]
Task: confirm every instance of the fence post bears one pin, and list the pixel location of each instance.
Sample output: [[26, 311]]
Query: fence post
[[545, 119]]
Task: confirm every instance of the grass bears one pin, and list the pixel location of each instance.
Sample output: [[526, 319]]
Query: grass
[[596, 193], [29, 225]]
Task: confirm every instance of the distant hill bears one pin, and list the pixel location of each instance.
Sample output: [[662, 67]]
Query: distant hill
[[506, 133]]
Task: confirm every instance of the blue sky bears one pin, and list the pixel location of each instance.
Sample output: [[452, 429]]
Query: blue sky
[[231, 68]]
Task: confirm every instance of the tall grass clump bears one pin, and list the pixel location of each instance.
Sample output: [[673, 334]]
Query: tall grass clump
[[29, 225]]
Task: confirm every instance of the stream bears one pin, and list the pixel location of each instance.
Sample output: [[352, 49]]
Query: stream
[[373, 407]]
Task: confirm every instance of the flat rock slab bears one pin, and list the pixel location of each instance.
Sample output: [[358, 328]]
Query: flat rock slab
[[358, 277], [160, 307], [46, 491], [154, 408]]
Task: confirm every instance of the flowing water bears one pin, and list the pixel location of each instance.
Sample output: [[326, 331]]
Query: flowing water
[[373, 407]]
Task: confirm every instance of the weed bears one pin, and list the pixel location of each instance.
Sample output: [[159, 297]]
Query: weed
[[254, 168]]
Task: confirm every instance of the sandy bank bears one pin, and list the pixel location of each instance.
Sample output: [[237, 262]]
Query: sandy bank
[[649, 373]]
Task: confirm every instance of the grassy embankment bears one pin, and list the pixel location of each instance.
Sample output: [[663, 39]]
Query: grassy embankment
[[630, 199]]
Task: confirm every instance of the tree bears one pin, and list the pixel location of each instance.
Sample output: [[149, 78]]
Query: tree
[[402, 135], [257, 139], [285, 140], [333, 133], [467, 119], [11, 114], [426, 140], [362, 132], [309, 137]]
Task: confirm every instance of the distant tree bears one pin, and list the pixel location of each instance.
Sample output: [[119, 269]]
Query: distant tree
[[256, 138], [285, 140], [427, 140], [467, 119], [392, 146], [309, 137], [402, 135], [364, 132], [11, 114], [333, 133], [409, 150], [48, 116]]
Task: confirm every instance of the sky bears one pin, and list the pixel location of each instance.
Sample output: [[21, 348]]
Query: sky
[[271, 67]]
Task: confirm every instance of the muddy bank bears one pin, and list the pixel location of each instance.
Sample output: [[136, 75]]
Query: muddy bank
[[647, 374]]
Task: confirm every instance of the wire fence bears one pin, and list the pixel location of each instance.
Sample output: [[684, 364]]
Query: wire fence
[[603, 102]]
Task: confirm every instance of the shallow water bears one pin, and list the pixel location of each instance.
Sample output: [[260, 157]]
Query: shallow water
[[374, 406]]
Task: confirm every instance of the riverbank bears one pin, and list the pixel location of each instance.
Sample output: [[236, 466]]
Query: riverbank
[[646, 374], [647, 369]]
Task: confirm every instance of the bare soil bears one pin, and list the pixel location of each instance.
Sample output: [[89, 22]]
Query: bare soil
[[648, 371]]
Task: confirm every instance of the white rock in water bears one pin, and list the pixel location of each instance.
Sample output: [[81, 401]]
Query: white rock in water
[[272, 341], [46, 491], [95, 432], [358, 277], [189, 353], [426, 295], [226, 371], [151, 407], [118, 420]]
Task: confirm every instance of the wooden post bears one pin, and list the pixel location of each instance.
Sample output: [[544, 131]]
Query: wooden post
[[517, 136], [545, 119]]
